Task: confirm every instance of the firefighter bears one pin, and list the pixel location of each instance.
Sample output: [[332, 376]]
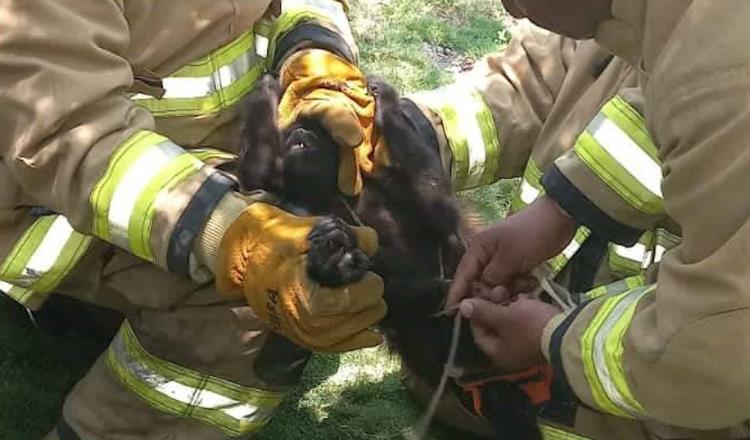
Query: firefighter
[[626, 122], [117, 119]]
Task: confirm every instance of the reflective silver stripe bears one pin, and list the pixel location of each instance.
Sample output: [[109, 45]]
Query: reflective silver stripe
[[48, 251], [5, 288], [200, 87], [571, 249], [659, 253], [261, 45], [637, 252], [233, 408], [601, 352], [528, 192], [136, 178], [627, 153], [201, 398], [468, 108], [552, 433], [474, 145]]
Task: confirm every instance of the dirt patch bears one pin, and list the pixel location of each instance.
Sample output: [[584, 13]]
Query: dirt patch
[[448, 59]]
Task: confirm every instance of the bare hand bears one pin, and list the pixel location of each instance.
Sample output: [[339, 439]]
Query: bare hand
[[505, 253], [509, 334]]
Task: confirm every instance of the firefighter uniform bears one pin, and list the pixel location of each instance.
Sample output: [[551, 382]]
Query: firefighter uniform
[[116, 118], [640, 135]]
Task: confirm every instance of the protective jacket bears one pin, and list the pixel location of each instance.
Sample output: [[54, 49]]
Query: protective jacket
[[115, 116], [639, 134]]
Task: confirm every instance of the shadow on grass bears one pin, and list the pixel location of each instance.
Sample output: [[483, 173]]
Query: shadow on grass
[[354, 396], [359, 410], [38, 368]]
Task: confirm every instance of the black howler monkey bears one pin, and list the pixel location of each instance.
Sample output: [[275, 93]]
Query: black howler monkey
[[411, 206]]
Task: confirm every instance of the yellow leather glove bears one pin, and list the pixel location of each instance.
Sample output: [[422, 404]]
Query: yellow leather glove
[[324, 87], [262, 256]]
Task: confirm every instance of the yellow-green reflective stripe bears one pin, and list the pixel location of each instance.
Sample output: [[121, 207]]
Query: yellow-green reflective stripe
[[602, 353], [209, 154], [234, 409], [142, 217], [617, 287], [632, 260], [295, 12], [44, 255], [631, 122], [144, 167], [589, 364], [612, 350], [18, 294], [552, 433], [529, 189], [214, 102], [618, 148], [664, 242], [101, 196], [557, 263], [209, 84], [471, 132], [615, 176], [209, 64], [14, 265]]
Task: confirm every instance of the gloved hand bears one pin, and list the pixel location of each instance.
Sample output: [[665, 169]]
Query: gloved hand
[[321, 86], [510, 334], [503, 255], [262, 257]]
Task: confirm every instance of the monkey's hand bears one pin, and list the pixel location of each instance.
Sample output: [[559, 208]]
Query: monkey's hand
[[264, 257]]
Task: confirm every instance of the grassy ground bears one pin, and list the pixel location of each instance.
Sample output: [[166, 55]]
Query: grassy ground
[[415, 44]]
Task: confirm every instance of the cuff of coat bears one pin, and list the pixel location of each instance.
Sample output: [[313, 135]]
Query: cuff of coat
[[322, 24], [429, 127], [207, 245], [549, 329], [585, 212], [552, 341], [192, 219]]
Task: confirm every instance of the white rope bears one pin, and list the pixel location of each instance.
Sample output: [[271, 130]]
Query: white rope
[[420, 431], [558, 293]]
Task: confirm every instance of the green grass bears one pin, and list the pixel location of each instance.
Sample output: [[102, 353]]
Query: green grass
[[354, 396]]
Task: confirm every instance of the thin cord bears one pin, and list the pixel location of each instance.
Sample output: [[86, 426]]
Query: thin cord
[[424, 424], [352, 213]]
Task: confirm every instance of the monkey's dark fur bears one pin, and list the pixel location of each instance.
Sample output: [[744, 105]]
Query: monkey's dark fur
[[411, 206]]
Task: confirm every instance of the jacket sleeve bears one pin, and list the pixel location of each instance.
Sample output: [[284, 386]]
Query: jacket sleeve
[[486, 123], [79, 147], [677, 351], [303, 24], [611, 180]]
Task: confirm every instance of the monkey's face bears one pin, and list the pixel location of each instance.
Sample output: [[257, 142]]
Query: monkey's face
[[310, 165]]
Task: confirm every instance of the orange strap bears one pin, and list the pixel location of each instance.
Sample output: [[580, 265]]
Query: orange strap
[[534, 382]]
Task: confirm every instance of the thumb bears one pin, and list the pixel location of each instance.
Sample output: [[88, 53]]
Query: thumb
[[338, 119], [481, 312], [367, 239]]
